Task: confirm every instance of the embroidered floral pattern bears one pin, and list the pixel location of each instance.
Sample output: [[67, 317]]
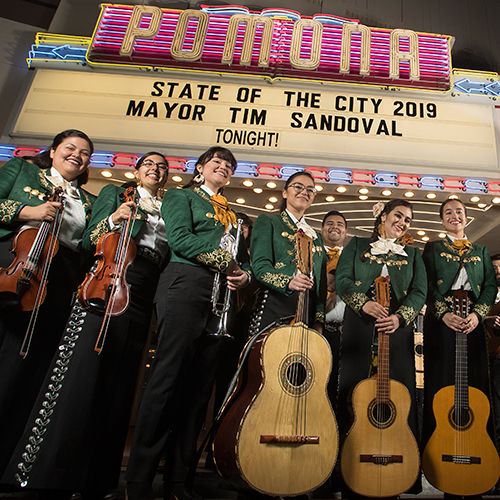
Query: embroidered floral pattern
[[101, 229], [279, 265], [42, 422], [408, 314], [482, 310], [276, 280], [355, 301], [8, 210], [440, 308], [218, 259]]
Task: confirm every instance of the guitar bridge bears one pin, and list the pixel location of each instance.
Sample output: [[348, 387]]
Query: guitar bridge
[[382, 459], [461, 459], [266, 438]]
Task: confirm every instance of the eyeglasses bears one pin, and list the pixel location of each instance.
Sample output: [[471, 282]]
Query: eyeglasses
[[150, 163], [300, 187]]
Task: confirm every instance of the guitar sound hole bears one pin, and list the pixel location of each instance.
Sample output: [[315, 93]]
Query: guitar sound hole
[[462, 419], [381, 415], [296, 374]]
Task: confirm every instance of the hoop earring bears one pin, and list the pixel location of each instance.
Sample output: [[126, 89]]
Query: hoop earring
[[199, 179]]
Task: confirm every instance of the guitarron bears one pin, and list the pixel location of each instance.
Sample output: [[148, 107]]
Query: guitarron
[[380, 456], [460, 457], [278, 433]]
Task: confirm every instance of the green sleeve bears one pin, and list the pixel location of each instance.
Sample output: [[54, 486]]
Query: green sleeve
[[8, 176], [344, 278], [263, 257], [489, 289], [103, 207], [417, 292], [183, 237], [435, 300]]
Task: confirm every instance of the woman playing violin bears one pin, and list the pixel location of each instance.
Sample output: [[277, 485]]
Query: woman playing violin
[[25, 189], [175, 401], [386, 253], [85, 435], [272, 256]]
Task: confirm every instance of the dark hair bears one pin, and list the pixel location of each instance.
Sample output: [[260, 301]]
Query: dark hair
[[495, 257], [289, 181], [44, 161], [140, 161], [222, 153], [388, 208], [445, 202], [333, 212]]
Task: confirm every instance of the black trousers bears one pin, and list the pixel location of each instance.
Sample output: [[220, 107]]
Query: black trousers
[[175, 400]]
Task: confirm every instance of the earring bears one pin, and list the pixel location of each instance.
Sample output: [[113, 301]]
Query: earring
[[199, 179], [381, 229]]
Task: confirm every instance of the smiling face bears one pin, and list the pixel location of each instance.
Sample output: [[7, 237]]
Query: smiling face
[[397, 222], [299, 195], [71, 157], [216, 172], [152, 173], [334, 231], [454, 219]]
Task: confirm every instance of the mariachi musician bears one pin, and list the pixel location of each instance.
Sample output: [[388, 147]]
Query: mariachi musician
[[25, 189], [91, 394], [175, 401]]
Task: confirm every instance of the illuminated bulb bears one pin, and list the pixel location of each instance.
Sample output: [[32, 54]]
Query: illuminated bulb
[[257, 190], [482, 205], [409, 194], [319, 187], [420, 233], [341, 189], [363, 191], [474, 199], [431, 196], [387, 192], [106, 173], [363, 197], [129, 175], [177, 178], [425, 238], [271, 185], [442, 235], [453, 197], [330, 198], [269, 206], [240, 200], [273, 199], [248, 183], [496, 200]]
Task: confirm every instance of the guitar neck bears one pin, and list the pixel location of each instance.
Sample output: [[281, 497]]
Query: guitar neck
[[383, 394], [461, 374]]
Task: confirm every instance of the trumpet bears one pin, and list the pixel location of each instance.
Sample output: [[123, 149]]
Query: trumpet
[[230, 243]]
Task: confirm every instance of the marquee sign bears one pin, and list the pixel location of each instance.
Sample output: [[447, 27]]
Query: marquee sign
[[273, 43]]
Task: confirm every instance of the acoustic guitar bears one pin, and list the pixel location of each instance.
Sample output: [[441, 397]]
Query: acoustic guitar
[[278, 433], [380, 456], [460, 457]]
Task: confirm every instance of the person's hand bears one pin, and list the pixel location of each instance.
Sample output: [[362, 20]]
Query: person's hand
[[300, 283], [237, 279], [122, 212], [471, 322], [454, 322], [44, 212], [387, 325], [375, 310]]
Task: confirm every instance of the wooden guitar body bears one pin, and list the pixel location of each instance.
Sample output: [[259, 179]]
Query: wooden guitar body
[[461, 460], [380, 456], [279, 434]]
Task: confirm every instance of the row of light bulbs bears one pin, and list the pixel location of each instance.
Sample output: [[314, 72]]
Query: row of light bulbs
[[363, 192]]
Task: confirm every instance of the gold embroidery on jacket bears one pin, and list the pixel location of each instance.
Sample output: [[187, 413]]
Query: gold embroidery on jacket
[[408, 313], [218, 259], [276, 279], [101, 229], [355, 300], [8, 209], [279, 265]]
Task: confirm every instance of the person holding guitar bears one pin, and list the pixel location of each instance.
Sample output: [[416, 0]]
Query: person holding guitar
[[455, 264], [91, 393], [273, 238], [386, 253], [26, 207], [492, 323], [174, 404]]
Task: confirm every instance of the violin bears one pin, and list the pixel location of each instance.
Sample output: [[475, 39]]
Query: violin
[[104, 290], [23, 285]]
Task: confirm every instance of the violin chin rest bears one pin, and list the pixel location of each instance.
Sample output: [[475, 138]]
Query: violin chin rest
[[9, 300], [97, 306]]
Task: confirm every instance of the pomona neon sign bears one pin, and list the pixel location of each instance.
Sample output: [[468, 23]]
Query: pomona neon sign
[[272, 43]]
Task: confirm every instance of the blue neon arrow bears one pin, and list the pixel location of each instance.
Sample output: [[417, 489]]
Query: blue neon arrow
[[493, 88], [65, 51], [470, 87]]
